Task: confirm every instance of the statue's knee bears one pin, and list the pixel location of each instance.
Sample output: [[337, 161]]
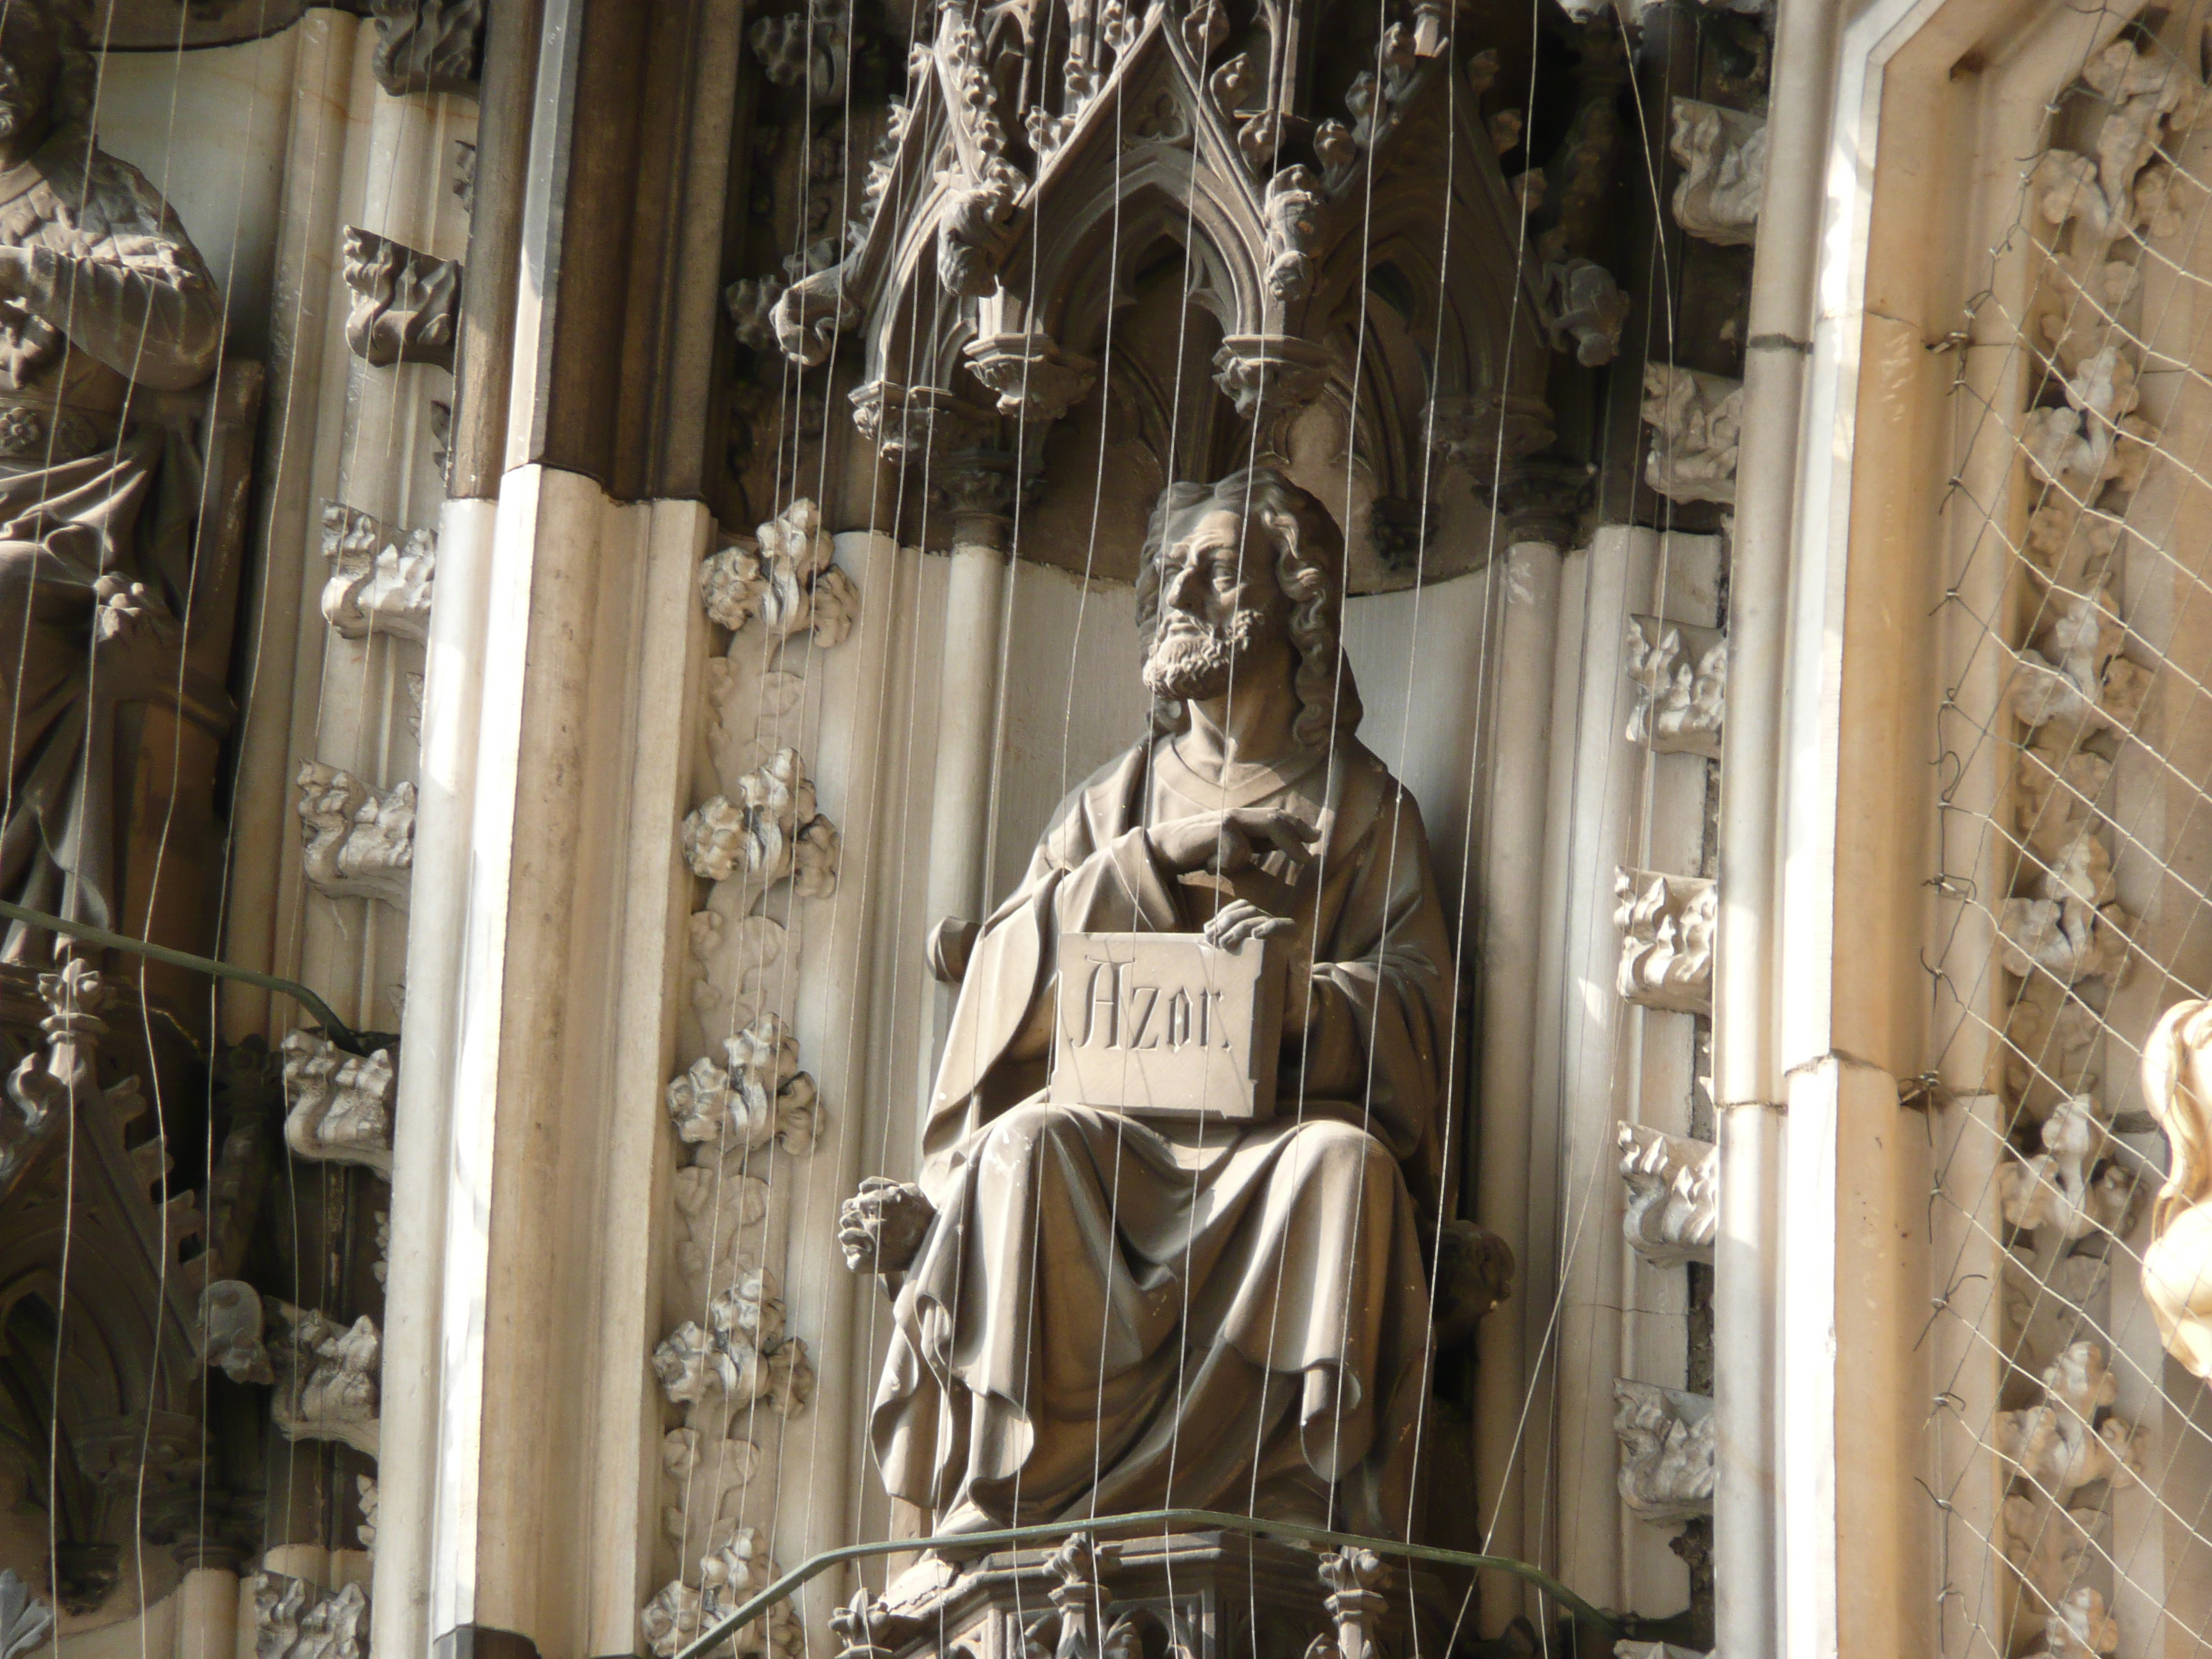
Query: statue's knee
[[1329, 1148], [1020, 1132]]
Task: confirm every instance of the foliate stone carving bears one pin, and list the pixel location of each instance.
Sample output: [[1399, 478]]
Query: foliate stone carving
[[2079, 1629], [1667, 1445], [1654, 1650], [1356, 1603], [807, 47], [981, 214], [768, 832], [750, 303], [725, 1358], [1681, 687], [809, 315], [1697, 421], [1666, 924], [1291, 212], [376, 586], [462, 174], [729, 1576], [1674, 1194], [2061, 1444], [1724, 157], [1584, 310], [2046, 1544], [713, 1204], [26, 1622], [406, 305], [2177, 1267], [2070, 1185], [428, 45], [327, 1382], [2073, 674], [49, 1082], [757, 1095], [360, 840], [364, 1486], [2067, 925], [1035, 380], [861, 1625], [785, 577], [340, 1103], [295, 1619]]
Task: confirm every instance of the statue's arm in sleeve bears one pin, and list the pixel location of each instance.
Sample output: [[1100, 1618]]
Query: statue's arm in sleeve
[[1377, 1014], [142, 302]]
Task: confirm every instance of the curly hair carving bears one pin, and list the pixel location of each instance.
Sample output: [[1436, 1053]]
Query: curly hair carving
[[1309, 567]]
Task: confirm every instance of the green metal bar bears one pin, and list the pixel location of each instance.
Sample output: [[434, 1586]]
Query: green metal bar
[[1142, 1521], [338, 1031]]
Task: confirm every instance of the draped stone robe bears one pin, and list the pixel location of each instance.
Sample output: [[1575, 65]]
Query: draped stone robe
[[1109, 1314], [99, 491]]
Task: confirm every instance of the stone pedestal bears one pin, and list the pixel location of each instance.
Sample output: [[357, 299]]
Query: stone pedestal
[[1187, 1595]]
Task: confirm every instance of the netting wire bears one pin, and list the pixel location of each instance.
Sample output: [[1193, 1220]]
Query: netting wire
[[2081, 1538]]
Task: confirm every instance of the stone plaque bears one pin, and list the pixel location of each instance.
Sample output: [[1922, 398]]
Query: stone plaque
[[1164, 1025]]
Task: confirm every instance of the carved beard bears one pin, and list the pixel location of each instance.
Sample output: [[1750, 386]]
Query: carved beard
[[1193, 658]]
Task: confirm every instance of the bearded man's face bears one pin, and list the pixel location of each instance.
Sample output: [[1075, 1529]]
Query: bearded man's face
[[28, 62], [1218, 598]]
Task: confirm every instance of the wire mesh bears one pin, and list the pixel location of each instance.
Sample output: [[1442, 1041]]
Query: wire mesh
[[2072, 1457]]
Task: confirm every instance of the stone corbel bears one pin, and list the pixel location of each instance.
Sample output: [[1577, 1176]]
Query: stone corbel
[[906, 423], [1680, 675], [1355, 1603], [1272, 378], [428, 45], [340, 1103], [406, 305], [1485, 435], [1697, 420], [325, 1372], [360, 840], [376, 586], [1666, 1444], [1673, 1195], [1724, 157], [1666, 924], [1034, 381]]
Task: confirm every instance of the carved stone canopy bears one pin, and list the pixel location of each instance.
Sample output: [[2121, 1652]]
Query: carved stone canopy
[[1334, 246]]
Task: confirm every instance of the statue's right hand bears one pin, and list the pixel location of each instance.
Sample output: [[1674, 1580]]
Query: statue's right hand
[[880, 1228], [1225, 843]]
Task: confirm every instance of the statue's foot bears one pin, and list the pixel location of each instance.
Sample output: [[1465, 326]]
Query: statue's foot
[[962, 1518]]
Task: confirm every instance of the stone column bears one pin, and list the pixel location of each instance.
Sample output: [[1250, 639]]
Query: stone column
[[977, 487], [1513, 840]]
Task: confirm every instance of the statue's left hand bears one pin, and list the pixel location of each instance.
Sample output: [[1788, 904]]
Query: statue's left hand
[[1240, 920]]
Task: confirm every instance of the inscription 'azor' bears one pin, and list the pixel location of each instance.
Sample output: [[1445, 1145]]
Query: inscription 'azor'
[[1120, 1012]]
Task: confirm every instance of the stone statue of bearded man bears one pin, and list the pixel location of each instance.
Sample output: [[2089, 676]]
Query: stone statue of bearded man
[[1099, 1313], [103, 298]]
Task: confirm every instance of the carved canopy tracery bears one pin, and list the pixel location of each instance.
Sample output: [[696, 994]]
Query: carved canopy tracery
[[1050, 158]]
